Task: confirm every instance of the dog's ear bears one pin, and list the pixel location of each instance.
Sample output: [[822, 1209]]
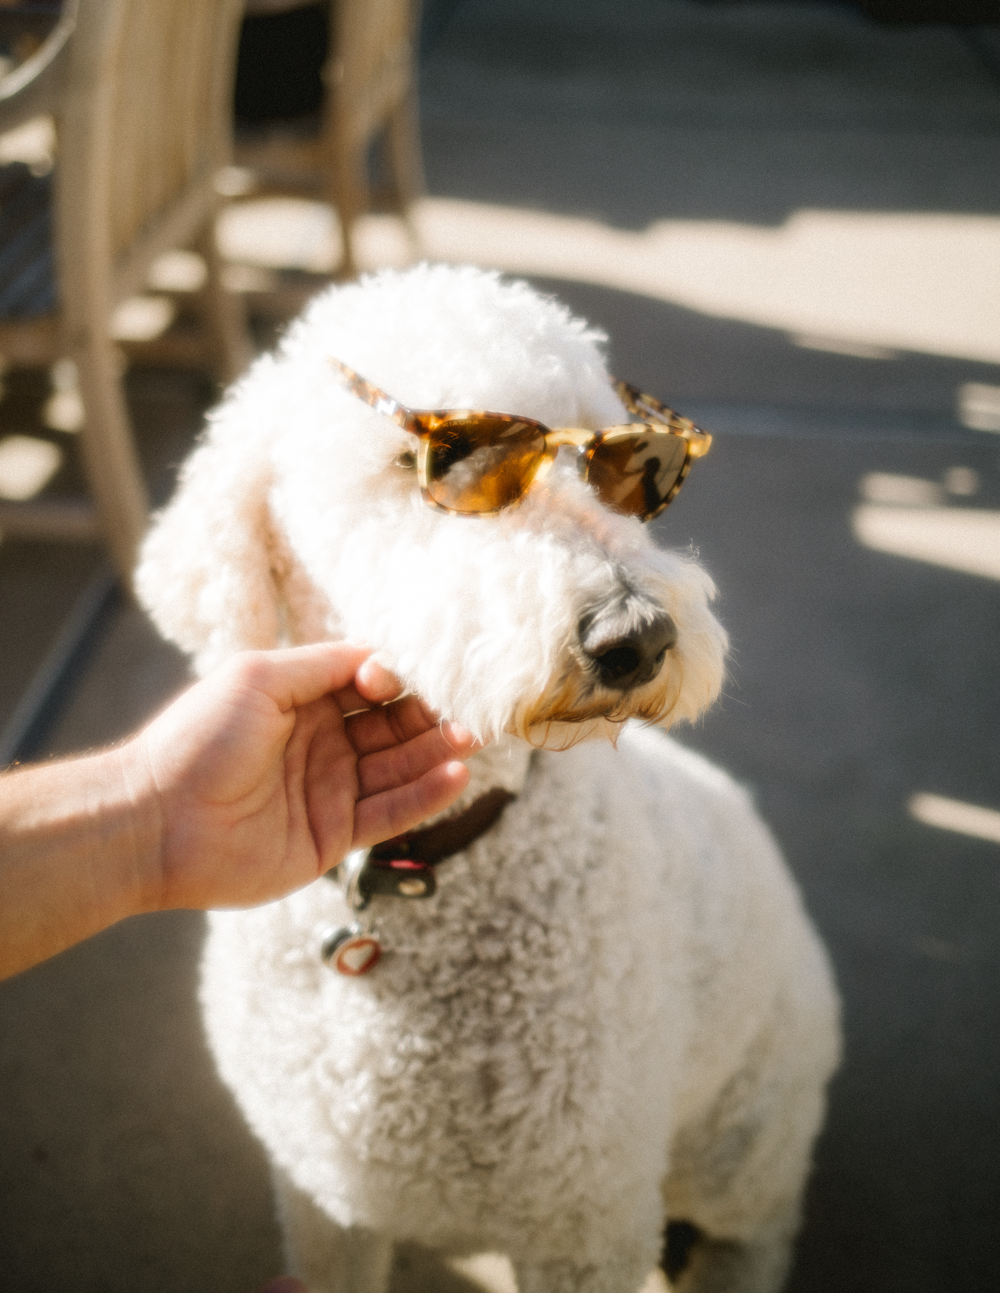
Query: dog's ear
[[698, 662], [208, 570]]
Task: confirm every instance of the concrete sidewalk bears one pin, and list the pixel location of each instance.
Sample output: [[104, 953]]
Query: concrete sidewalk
[[864, 674]]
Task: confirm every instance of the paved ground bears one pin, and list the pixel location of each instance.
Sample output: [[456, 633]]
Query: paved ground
[[860, 677]]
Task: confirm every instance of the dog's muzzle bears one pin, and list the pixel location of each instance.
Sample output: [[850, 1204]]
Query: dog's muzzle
[[625, 641]]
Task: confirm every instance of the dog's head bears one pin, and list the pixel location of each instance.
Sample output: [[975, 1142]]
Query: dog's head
[[299, 518]]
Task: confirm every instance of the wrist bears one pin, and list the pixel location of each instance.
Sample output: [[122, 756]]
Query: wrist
[[75, 840], [135, 811]]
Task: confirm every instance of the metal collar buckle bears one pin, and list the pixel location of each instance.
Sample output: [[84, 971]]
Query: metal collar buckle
[[364, 876]]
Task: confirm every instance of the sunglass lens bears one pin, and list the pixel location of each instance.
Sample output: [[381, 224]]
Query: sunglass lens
[[634, 474], [482, 464]]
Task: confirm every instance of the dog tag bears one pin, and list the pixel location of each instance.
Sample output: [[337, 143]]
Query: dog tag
[[351, 950]]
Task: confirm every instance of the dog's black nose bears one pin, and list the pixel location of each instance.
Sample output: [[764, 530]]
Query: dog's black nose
[[627, 644]]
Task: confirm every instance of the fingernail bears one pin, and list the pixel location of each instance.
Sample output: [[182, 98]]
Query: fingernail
[[456, 734], [382, 684]]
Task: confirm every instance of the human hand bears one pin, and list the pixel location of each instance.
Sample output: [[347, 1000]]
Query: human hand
[[260, 777]]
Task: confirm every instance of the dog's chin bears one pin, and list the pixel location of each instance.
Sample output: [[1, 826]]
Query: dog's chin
[[556, 734], [577, 711]]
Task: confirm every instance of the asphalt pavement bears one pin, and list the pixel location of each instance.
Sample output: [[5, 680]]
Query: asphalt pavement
[[863, 684]]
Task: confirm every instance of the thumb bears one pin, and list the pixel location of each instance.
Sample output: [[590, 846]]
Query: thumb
[[295, 676]]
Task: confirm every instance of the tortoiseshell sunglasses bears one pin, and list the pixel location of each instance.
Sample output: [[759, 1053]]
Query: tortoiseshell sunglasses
[[477, 463]]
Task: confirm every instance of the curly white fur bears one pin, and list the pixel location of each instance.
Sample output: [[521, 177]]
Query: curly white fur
[[614, 1011], [292, 522]]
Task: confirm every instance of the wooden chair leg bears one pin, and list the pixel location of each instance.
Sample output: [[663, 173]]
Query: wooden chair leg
[[110, 459], [404, 154], [406, 162], [348, 192], [224, 313]]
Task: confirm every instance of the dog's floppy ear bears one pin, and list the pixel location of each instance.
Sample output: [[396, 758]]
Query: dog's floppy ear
[[207, 572], [698, 661]]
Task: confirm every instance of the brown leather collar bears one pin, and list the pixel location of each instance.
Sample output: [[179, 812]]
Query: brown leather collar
[[403, 867], [444, 839]]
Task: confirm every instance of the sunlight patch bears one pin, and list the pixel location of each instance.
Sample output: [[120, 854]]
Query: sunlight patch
[[837, 346], [963, 539], [281, 233], [953, 815], [63, 410], [900, 491], [142, 318], [863, 284], [866, 283], [27, 464], [979, 406], [178, 271]]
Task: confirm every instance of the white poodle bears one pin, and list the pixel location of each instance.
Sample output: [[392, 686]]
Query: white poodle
[[613, 1012]]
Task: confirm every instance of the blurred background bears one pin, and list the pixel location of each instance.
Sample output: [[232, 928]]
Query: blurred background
[[787, 218]]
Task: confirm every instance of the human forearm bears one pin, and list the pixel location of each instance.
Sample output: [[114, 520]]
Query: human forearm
[[248, 786], [73, 838]]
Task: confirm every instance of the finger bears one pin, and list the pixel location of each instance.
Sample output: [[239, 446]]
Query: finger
[[461, 739], [388, 725], [394, 811], [350, 700], [372, 685], [395, 766], [376, 683], [295, 676], [329, 780]]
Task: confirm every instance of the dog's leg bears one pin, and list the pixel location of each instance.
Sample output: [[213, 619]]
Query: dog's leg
[[738, 1174], [623, 1272], [722, 1266], [740, 1183], [328, 1257], [739, 1179]]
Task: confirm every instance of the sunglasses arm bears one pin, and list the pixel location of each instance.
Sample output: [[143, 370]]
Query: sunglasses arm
[[391, 408], [373, 396], [646, 407]]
